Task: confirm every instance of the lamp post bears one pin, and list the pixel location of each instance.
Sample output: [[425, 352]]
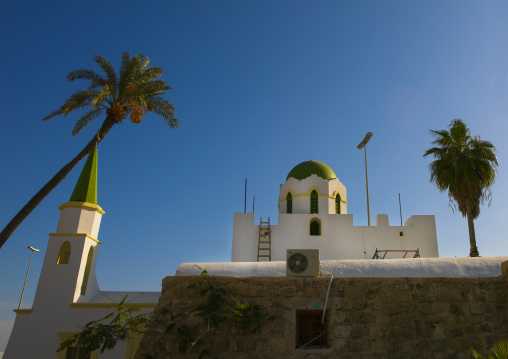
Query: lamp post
[[360, 146], [24, 285]]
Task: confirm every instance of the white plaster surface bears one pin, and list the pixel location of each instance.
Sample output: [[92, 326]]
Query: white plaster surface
[[79, 220], [300, 189], [339, 239], [411, 267], [60, 285]]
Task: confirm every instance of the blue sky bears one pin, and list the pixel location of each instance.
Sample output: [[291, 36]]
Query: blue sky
[[258, 86]]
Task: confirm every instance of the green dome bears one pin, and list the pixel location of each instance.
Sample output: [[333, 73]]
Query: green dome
[[308, 168]]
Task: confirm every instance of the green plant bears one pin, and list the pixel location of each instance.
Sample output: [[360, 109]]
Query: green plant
[[132, 92], [220, 310], [105, 333], [500, 351], [465, 167]]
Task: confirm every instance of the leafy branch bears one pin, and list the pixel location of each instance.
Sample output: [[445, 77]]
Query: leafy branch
[[104, 333], [220, 310]]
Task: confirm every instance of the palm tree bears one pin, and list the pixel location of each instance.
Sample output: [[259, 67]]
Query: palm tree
[[133, 92], [465, 167]]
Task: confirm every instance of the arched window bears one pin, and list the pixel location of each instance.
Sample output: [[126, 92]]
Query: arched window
[[289, 203], [64, 253], [315, 227], [87, 271], [337, 204], [314, 202]]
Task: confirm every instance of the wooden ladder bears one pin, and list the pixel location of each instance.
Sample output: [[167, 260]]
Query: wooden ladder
[[265, 241]]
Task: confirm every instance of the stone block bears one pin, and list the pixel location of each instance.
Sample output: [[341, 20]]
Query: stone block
[[381, 318], [356, 346], [377, 331], [246, 344], [233, 345], [341, 331], [357, 330]]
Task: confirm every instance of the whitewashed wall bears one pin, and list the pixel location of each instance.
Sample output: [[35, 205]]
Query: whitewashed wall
[[301, 189], [339, 239], [36, 333]]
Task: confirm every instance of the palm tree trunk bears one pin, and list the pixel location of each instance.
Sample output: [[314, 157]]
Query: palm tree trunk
[[473, 252], [39, 196]]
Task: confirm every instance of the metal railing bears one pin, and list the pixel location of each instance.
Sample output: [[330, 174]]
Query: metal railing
[[405, 251]]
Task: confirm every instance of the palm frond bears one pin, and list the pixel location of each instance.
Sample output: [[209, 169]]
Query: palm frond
[[157, 84], [500, 350], [78, 100], [129, 70], [85, 74], [53, 114], [101, 97], [144, 61], [126, 57], [86, 119], [149, 74], [108, 68], [153, 88], [163, 108], [477, 355]]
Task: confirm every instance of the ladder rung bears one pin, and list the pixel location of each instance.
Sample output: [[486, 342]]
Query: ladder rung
[[264, 240]]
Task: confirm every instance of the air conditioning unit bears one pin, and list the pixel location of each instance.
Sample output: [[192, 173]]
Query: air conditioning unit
[[302, 263]]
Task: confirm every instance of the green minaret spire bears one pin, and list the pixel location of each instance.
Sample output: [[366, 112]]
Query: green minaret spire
[[86, 188]]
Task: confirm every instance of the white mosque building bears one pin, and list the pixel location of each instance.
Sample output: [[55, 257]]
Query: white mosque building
[[312, 215]]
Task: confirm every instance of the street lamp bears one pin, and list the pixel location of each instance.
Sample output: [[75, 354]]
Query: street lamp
[[23, 292], [360, 146]]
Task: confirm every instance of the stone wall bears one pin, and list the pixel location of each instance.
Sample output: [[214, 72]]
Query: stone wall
[[367, 317]]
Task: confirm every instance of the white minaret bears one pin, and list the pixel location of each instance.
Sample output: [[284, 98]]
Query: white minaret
[[68, 272], [67, 275]]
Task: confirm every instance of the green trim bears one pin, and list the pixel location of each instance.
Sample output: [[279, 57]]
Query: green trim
[[86, 187], [22, 311], [308, 168], [64, 254], [75, 235], [83, 205]]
